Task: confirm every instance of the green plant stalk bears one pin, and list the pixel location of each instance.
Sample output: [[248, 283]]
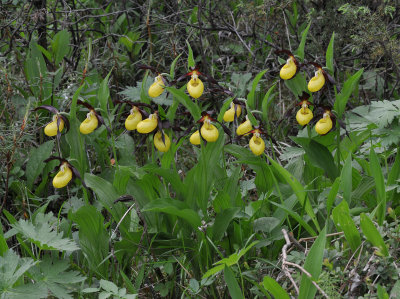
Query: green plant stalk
[[241, 279], [337, 137], [338, 145], [280, 197]]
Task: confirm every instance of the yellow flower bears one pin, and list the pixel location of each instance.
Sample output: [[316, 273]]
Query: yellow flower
[[51, 128], [63, 177], [317, 82], [324, 125], [229, 115], [159, 144], [244, 128], [148, 125], [133, 119], [195, 138], [208, 131], [90, 123], [157, 87], [257, 144], [195, 86], [289, 69], [304, 115]]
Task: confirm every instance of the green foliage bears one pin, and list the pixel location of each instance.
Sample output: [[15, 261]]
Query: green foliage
[[201, 220], [42, 231]]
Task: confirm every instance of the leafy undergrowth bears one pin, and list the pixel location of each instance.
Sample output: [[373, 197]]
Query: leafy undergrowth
[[187, 184]]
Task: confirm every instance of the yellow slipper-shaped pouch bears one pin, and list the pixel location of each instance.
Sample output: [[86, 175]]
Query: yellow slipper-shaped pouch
[[316, 82], [288, 70], [51, 128], [148, 125], [63, 177], [257, 145], [133, 119], [195, 138], [159, 144], [229, 114], [244, 128], [89, 124], [157, 87], [324, 125], [303, 116], [195, 87], [209, 132]]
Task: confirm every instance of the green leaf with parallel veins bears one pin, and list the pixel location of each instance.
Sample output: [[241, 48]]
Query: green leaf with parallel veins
[[184, 99], [343, 97], [372, 234], [343, 220], [274, 288], [233, 286], [251, 96], [174, 207], [319, 156], [103, 94], [191, 62], [300, 49], [313, 265], [60, 45], [329, 54]]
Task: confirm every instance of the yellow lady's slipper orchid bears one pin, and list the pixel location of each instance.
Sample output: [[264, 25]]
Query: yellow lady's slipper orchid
[[324, 125], [159, 144], [157, 87], [316, 82], [195, 138], [195, 87], [133, 119], [257, 144], [148, 125], [51, 128], [229, 115], [63, 177], [209, 131], [89, 124], [289, 69], [304, 115], [244, 128]]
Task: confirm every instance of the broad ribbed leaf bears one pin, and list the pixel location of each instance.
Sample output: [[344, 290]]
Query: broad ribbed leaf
[[313, 265], [174, 207]]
